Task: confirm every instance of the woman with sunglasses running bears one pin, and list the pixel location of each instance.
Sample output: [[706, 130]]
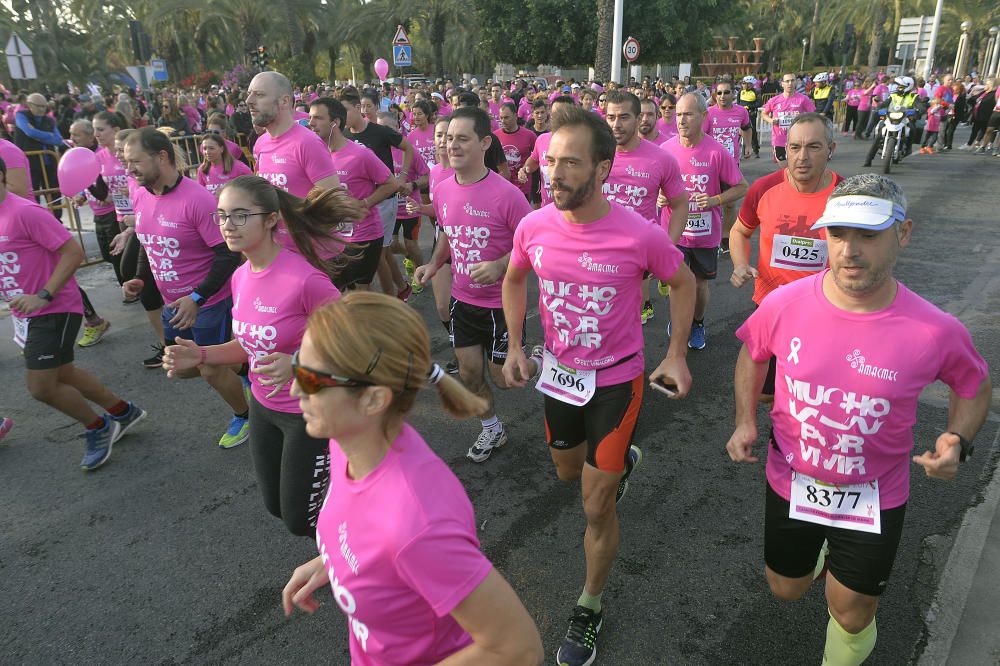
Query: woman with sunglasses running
[[396, 534], [274, 292]]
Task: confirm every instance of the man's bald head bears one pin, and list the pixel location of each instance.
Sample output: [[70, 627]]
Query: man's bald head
[[275, 81], [269, 98], [37, 99]]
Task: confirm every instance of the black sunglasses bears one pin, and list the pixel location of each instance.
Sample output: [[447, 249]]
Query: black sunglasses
[[313, 381]]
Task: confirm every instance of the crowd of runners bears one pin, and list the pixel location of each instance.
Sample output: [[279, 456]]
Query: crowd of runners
[[257, 270]]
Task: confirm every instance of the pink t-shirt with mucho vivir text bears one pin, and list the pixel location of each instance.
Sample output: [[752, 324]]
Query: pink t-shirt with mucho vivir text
[[270, 311], [725, 125], [216, 177], [538, 152], [294, 161], [704, 167], [637, 177], [361, 172], [178, 232], [401, 552], [784, 109], [589, 278], [30, 237], [479, 220], [848, 383], [517, 147], [422, 141]]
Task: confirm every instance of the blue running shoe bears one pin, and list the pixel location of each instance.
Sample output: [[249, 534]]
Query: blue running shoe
[[134, 414], [237, 433], [697, 338], [579, 647], [633, 460], [99, 443]]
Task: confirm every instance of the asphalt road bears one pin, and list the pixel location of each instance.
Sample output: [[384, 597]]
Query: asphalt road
[[166, 555]]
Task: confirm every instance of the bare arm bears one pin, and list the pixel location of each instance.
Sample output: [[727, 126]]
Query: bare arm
[[748, 383], [408, 153], [678, 216], [331, 182], [739, 250], [502, 631]]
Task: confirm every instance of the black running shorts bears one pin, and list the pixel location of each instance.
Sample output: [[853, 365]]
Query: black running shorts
[[472, 326], [50, 340], [703, 261]]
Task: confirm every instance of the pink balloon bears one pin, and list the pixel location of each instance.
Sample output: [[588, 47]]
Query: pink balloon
[[78, 170], [381, 68]]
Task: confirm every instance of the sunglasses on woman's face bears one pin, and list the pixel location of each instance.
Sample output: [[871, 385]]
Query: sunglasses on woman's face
[[313, 381]]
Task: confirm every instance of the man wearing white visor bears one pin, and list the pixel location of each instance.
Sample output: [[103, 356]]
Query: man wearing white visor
[[838, 463]]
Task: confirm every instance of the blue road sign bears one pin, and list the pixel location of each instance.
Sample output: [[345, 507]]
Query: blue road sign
[[402, 55], [159, 69]]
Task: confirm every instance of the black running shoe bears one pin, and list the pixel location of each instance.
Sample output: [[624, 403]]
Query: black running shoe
[[451, 367], [579, 647], [156, 360], [633, 460]]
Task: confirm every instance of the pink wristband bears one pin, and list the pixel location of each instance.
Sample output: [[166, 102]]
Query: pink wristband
[[204, 355]]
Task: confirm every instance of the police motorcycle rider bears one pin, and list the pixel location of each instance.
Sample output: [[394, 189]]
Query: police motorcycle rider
[[902, 94]]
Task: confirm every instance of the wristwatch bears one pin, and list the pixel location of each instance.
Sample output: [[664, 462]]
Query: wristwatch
[[45, 295], [198, 299], [967, 447]]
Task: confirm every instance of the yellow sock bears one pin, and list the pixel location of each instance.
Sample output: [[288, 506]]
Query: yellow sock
[[846, 649]]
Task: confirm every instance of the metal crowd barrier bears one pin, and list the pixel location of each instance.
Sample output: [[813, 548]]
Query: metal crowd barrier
[[47, 193]]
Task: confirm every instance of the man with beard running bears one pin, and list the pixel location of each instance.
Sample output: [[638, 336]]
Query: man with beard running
[[591, 256], [640, 173], [648, 117]]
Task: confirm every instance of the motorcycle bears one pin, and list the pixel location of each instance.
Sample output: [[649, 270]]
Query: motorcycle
[[893, 131]]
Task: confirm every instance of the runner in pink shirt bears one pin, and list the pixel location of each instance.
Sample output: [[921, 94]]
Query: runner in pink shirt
[[421, 135], [287, 154], [18, 170], [218, 167], [648, 122], [855, 349], [478, 211], [366, 178], [189, 261], [641, 173], [667, 124], [780, 111], [217, 125], [543, 121], [274, 292], [38, 257], [518, 143], [414, 182], [591, 256], [729, 124], [713, 179], [396, 534]]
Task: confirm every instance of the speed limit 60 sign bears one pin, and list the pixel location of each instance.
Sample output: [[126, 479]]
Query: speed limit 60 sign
[[631, 49]]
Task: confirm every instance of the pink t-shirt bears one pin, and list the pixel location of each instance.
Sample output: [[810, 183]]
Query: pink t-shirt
[[848, 383], [659, 139], [361, 172], [934, 116], [270, 311], [589, 279], [637, 177], [538, 152], [117, 180], [854, 96], [517, 146], [417, 169], [668, 130], [864, 100], [479, 220], [216, 178], [107, 162], [294, 161], [423, 142], [704, 168], [880, 93], [438, 173], [15, 158], [725, 125], [401, 552], [495, 111], [784, 109], [30, 237], [178, 233]]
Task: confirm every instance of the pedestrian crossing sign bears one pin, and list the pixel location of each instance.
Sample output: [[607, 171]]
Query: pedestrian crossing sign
[[402, 55]]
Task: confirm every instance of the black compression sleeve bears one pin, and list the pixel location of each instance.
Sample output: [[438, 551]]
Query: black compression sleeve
[[223, 265]]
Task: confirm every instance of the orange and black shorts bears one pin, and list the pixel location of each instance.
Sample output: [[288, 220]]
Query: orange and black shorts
[[606, 424]]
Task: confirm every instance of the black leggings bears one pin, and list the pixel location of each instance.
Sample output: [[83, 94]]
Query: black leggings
[[851, 117], [292, 468], [861, 126], [150, 295], [949, 131], [978, 131], [106, 228]]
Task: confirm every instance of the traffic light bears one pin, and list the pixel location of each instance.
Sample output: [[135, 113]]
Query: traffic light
[[261, 59]]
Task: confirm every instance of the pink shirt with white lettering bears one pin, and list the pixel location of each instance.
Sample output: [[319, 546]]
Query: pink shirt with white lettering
[[517, 146], [30, 237], [724, 126], [669, 130], [270, 311], [401, 552], [438, 173], [479, 219], [117, 179], [361, 172], [589, 278], [216, 178], [417, 169], [848, 383], [704, 168], [422, 141], [294, 161], [783, 110], [637, 177], [178, 232], [538, 152]]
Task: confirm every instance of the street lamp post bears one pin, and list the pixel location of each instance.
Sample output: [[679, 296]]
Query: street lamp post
[[802, 62], [616, 43], [962, 56], [994, 57]]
